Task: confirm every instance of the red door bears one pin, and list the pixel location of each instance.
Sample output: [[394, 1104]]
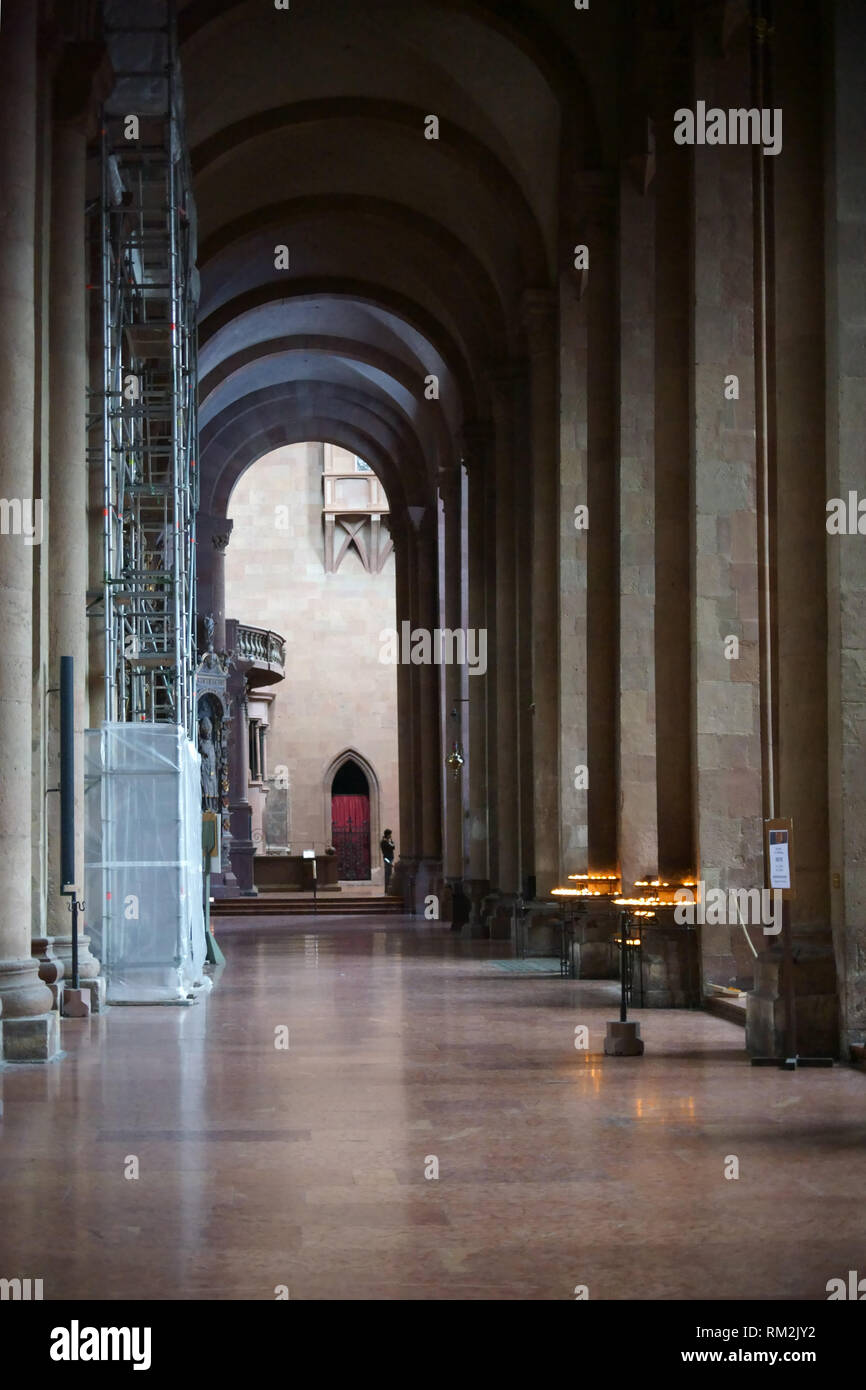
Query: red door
[[350, 835]]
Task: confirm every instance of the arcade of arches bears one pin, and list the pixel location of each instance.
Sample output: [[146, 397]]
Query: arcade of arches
[[601, 386]]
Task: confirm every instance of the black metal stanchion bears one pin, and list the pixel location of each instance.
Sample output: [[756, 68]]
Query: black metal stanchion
[[623, 1038]]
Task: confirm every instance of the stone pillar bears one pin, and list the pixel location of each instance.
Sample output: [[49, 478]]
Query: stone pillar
[[845, 239], [574, 494], [638, 818], [431, 755], [672, 484], [478, 546], [798, 481], [405, 869], [50, 967], [540, 314], [30, 1030], [212, 538], [728, 759], [506, 734], [242, 846], [453, 676], [68, 528]]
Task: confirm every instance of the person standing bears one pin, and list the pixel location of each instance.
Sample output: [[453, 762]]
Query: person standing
[[388, 848]]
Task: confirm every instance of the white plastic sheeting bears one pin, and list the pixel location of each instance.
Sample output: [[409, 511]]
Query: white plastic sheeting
[[143, 862]]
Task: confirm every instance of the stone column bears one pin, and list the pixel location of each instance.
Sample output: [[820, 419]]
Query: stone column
[[540, 314], [798, 490], [845, 240], [68, 529], [728, 761], [30, 1029], [453, 676], [431, 755], [242, 846], [507, 730], [478, 439], [672, 427], [405, 869], [638, 817], [598, 197], [212, 537], [574, 494], [590, 677]]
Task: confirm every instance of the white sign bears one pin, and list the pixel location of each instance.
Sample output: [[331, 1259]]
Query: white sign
[[780, 864], [309, 854]]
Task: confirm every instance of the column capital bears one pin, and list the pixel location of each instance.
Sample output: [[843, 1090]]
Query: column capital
[[214, 529]]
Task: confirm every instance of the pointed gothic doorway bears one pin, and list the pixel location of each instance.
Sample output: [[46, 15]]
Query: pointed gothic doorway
[[350, 822]]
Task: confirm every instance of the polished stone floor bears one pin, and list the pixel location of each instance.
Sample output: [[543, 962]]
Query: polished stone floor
[[305, 1167]]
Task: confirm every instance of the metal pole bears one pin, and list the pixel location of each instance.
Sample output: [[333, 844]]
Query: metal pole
[[623, 932]]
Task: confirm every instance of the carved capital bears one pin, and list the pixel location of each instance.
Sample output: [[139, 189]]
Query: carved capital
[[216, 529]]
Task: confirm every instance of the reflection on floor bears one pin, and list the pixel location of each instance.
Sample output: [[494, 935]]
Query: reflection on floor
[[306, 1166]]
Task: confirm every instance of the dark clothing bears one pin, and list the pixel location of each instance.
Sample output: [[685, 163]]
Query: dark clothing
[[388, 849]]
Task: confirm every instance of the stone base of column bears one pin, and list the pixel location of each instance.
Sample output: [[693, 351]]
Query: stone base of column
[[429, 883], [498, 914], [596, 955], [22, 993], [459, 905], [477, 890], [88, 965], [34, 1039], [816, 1003], [48, 964], [224, 886], [243, 853], [669, 976], [402, 883], [53, 956]]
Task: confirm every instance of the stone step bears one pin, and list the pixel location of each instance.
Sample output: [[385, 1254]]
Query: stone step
[[297, 904]]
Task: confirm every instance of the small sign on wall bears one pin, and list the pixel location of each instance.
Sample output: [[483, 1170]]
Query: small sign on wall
[[779, 855]]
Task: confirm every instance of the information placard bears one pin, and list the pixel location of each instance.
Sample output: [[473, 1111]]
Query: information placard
[[779, 855]]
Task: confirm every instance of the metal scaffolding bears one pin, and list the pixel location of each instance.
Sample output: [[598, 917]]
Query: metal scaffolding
[[147, 238]]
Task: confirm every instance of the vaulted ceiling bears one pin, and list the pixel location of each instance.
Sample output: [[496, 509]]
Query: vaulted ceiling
[[407, 256]]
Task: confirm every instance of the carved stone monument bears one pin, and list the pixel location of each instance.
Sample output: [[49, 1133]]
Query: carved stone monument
[[214, 722]]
